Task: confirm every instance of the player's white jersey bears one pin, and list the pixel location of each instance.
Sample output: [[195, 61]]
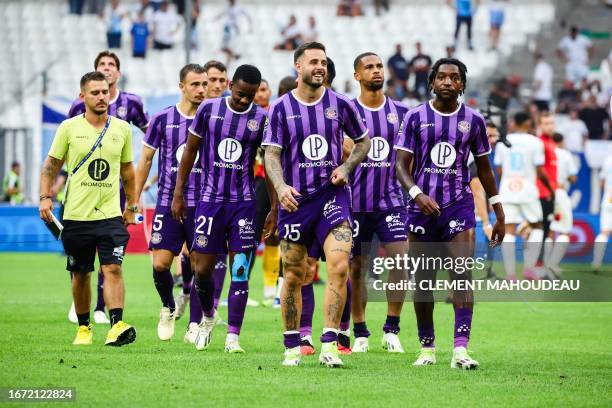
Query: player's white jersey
[[606, 176], [519, 163], [566, 167]]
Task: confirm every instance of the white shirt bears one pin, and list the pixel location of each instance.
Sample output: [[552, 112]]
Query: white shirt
[[544, 74], [566, 167], [576, 50], [606, 175], [291, 32], [574, 134], [164, 25], [310, 34], [519, 163]]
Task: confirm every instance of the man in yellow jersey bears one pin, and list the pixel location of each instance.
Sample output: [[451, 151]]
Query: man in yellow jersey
[[97, 149]]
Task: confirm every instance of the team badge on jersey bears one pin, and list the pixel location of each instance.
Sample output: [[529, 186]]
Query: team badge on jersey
[[331, 113], [122, 112], [156, 238], [201, 241], [253, 125], [464, 126], [392, 118]]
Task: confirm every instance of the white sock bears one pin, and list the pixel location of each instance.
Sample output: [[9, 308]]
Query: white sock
[[279, 286], [329, 329], [558, 252], [599, 250], [269, 292], [509, 254], [533, 247], [231, 337], [548, 249], [346, 332]]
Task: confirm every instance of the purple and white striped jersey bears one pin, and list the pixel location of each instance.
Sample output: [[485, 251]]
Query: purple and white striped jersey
[[167, 133], [311, 135], [374, 184], [441, 144], [125, 106], [227, 154]]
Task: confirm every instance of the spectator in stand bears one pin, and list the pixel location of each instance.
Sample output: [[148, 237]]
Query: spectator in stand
[[567, 97], [349, 8], [575, 50], [596, 119], [500, 94], [465, 9], [420, 65], [11, 185], [310, 33], [166, 24], [195, 14], [381, 4], [450, 51], [398, 68], [113, 16], [146, 7], [496, 16], [542, 83], [292, 36], [156, 4], [574, 131], [231, 29], [76, 6], [140, 36]]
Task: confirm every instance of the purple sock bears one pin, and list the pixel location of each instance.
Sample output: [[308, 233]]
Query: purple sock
[[236, 305], [308, 305], [392, 324], [205, 288], [329, 336], [463, 326], [219, 277], [427, 337], [292, 339], [195, 308], [360, 330], [187, 273], [345, 320], [164, 283], [100, 305]]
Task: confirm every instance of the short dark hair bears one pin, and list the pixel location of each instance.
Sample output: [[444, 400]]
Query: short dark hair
[[307, 46], [520, 118], [110, 54], [247, 73], [197, 68], [215, 64], [447, 61], [287, 84], [92, 76], [558, 138], [361, 56], [266, 81], [331, 71], [15, 164]]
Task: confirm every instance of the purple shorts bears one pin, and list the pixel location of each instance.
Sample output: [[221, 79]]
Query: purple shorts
[[455, 218], [316, 215], [223, 227], [389, 225], [170, 234]]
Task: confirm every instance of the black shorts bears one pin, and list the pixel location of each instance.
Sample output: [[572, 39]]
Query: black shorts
[[81, 239]]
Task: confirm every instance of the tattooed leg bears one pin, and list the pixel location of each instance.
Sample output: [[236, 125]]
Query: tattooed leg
[[337, 248], [294, 271]]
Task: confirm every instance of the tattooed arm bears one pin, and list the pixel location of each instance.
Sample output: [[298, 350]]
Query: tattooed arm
[[286, 194], [49, 171], [360, 150]]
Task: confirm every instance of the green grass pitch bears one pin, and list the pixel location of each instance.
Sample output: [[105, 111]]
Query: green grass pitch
[[537, 354]]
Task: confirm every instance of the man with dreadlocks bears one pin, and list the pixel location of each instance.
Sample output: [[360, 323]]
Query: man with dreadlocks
[[433, 146]]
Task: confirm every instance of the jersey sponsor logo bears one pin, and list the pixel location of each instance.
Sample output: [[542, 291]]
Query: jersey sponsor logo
[[245, 228], [395, 222], [426, 125], [330, 208], [294, 117], [331, 113], [229, 150], [464, 126], [315, 147], [173, 126], [118, 252], [201, 241], [71, 260], [443, 154], [98, 169], [253, 125], [122, 112], [179, 154], [392, 118], [156, 238], [216, 117], [379, 149], [456, 225]]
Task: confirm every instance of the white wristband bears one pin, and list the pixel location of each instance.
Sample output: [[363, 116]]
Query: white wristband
[[414, 192], [495, 200]]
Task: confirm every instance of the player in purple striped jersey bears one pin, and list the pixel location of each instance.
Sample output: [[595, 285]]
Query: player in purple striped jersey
[[167, 133], [226, 132], [378, 205], [122, 105], [433, 147], [303, 155]]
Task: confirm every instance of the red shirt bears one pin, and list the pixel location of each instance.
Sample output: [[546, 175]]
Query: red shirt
[[550, 167]]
